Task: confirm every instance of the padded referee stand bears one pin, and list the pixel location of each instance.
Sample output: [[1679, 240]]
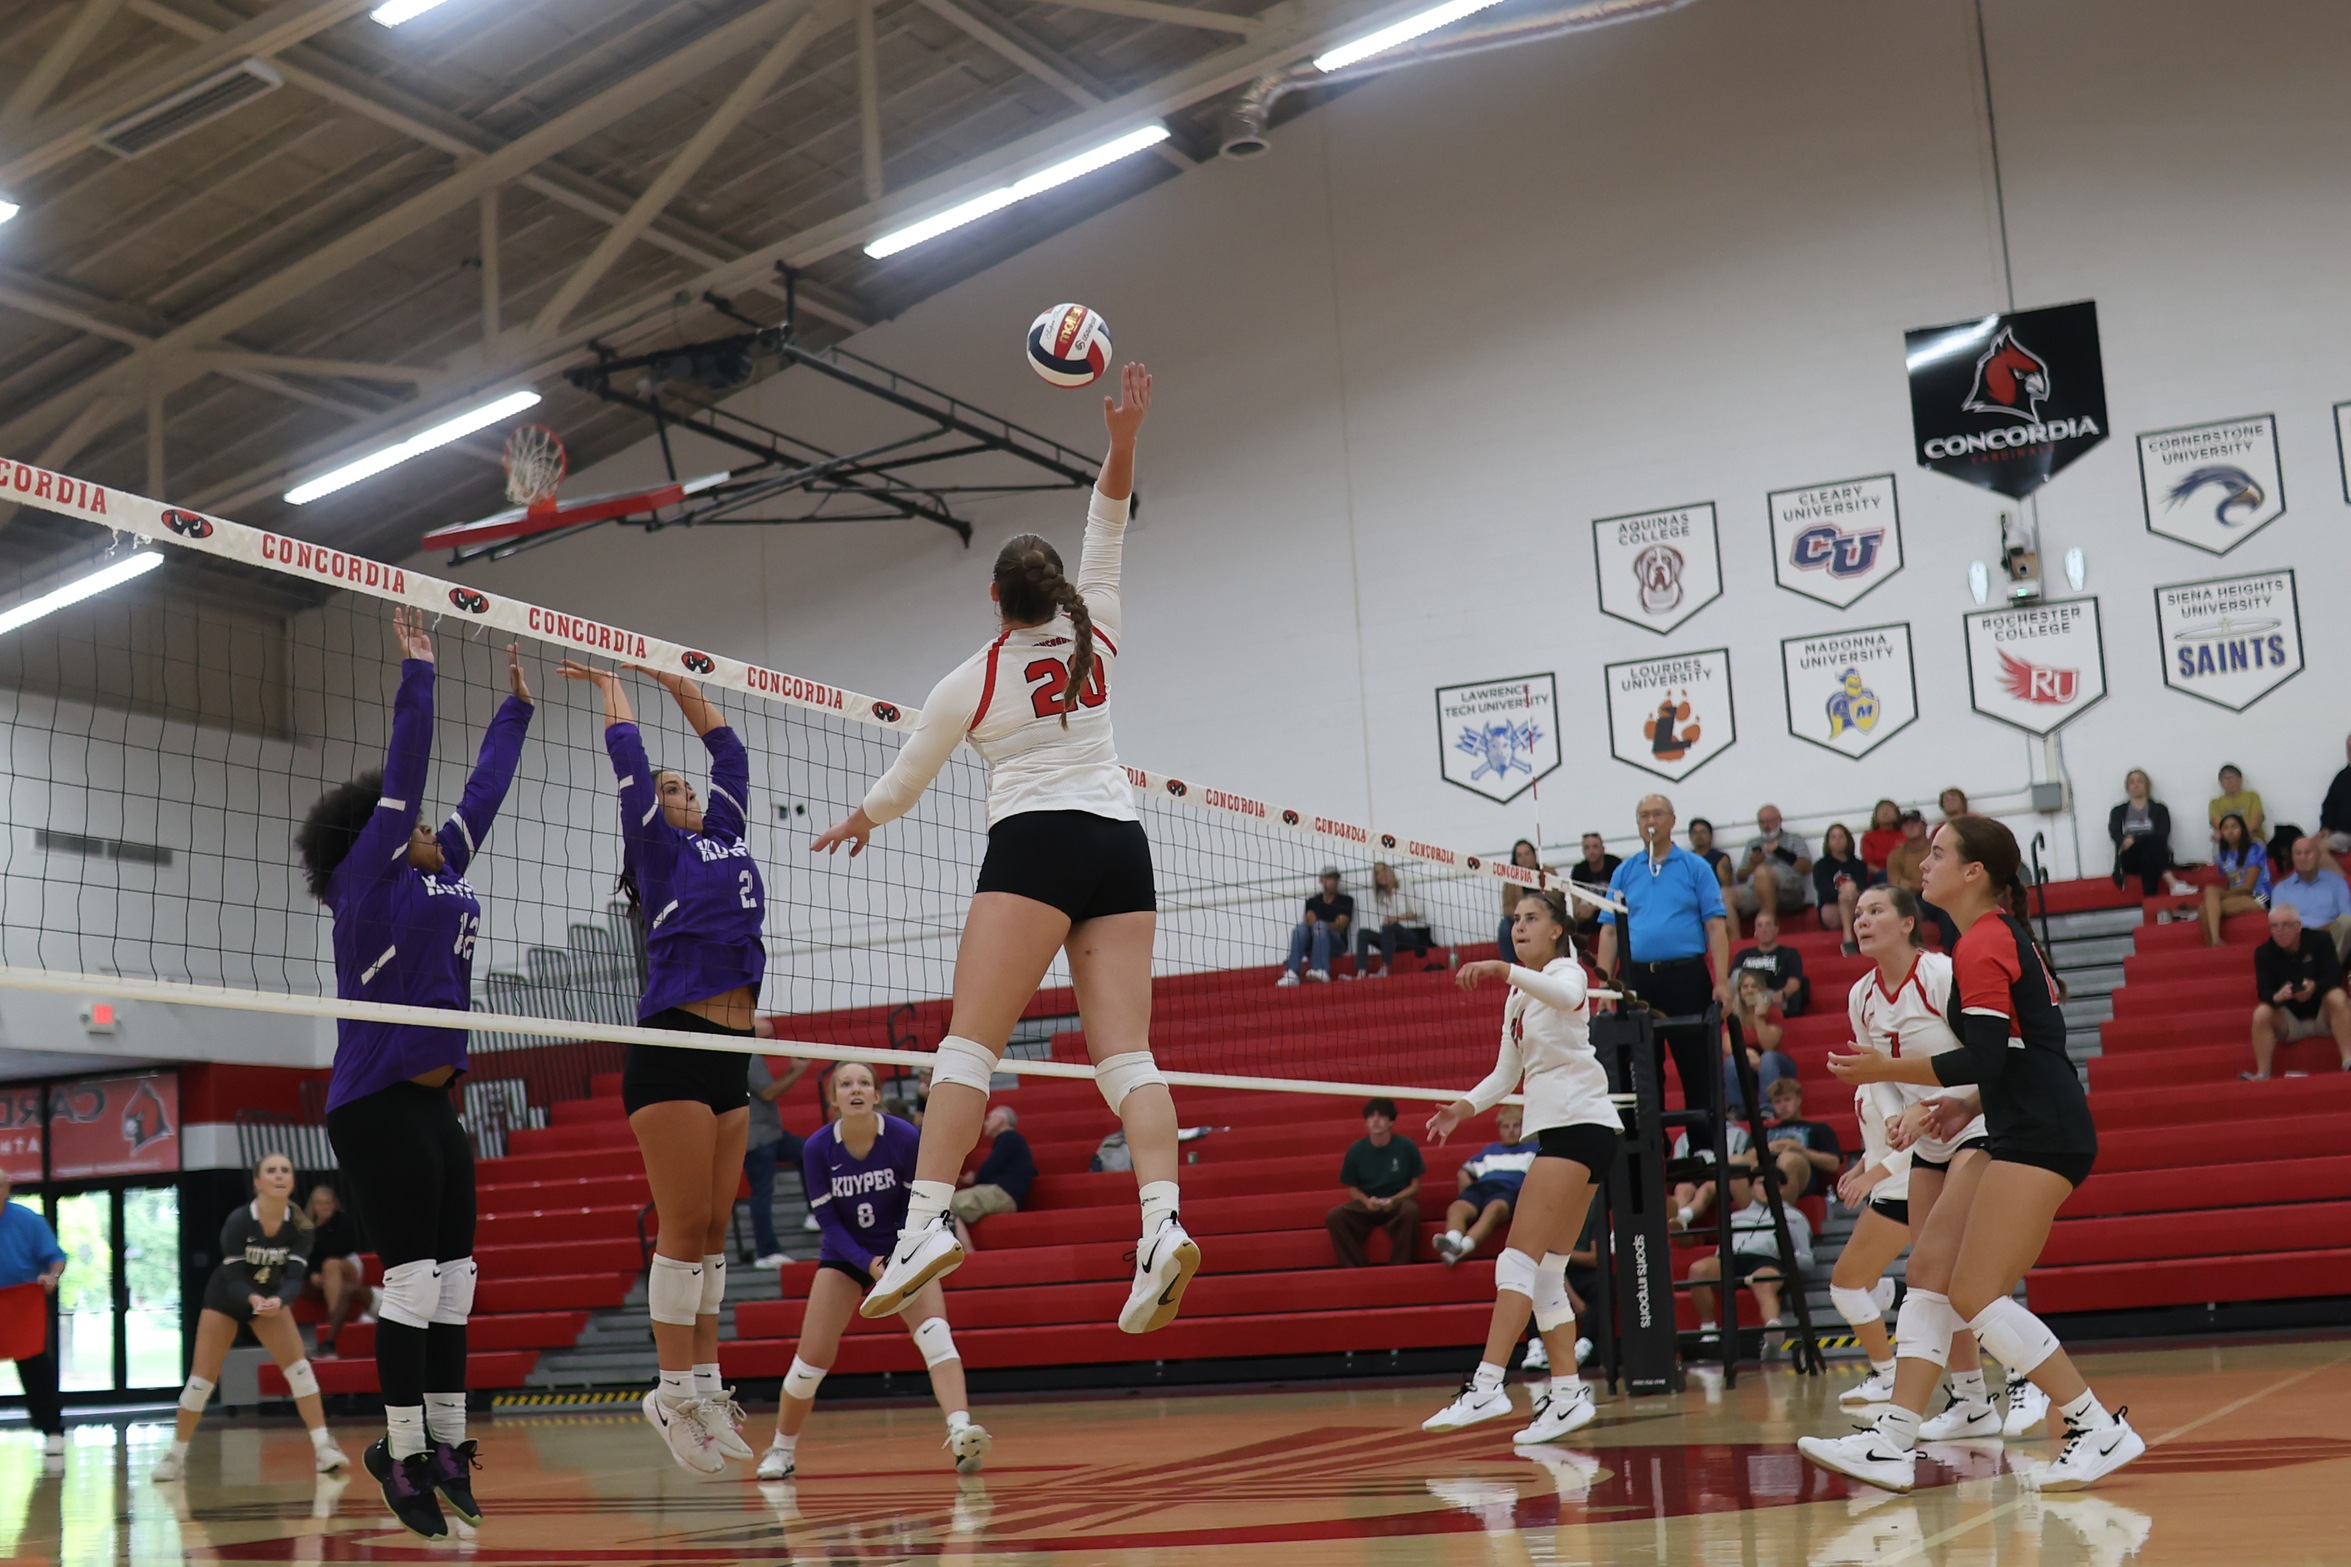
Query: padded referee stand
[[1635, 1284]]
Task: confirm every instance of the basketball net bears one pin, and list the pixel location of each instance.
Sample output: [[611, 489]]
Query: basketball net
[[535, 464]]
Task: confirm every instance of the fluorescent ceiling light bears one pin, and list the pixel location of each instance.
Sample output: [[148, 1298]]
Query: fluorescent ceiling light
[[1019, 190], [415, 446], [8, 209], [80, 588], [1403, 32], [393, 12]]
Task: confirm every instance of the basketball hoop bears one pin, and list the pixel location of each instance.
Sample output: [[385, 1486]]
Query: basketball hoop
[[535, 465]]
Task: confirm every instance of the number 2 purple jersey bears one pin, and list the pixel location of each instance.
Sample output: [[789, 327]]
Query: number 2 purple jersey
[[860, 1203]]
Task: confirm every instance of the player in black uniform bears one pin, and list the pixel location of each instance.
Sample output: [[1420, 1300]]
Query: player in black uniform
[[2004, 1008], [264, 1260]]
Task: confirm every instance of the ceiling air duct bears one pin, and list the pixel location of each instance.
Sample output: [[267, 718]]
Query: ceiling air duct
[[169, 119]]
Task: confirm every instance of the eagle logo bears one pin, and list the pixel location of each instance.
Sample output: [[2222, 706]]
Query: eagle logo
[[2238, 490], [2010, 379]]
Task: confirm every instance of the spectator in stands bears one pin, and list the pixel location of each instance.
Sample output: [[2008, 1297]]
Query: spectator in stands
[[1001, 1183], [1694, 1200], [1755, 1011], [1782, 967], [767, 1145], [1803, 1151], [1382, 1174], [1391, 915], [1679, 957], [2298, 987], [29, 1254], [1488, 1185], [1882, 839], [2334, 816], [1595, 870], [1772, 874], [1702, 845], [1322, 934], [1952, 802], [334, 1247], [2141, 829], [1755, 1260], [1905, 866], [1837, 879], [2244, 866], [2236, 800], [2321, 895], [1523, 855]]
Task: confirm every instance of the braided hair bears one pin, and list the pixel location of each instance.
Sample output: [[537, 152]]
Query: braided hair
[[1030, 589]]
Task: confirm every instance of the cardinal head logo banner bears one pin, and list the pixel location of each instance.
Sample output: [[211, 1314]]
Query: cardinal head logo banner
[[2007, 401]]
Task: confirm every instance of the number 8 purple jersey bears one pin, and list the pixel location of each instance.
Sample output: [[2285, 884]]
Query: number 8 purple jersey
[[860, 1203]]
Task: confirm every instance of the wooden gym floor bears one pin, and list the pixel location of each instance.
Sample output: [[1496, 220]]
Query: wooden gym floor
[[2250, 1463]]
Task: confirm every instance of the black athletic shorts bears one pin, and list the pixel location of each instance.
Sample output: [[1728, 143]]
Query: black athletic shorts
[[1745, 1262], [2075, 1167], [660, 1074], [1894, 1208], [230, 1296], [836, 1265], [1594, 1147], [1086, 866], [1917, 1163]]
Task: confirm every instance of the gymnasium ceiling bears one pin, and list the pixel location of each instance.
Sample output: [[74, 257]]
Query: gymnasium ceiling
[[424, 215]]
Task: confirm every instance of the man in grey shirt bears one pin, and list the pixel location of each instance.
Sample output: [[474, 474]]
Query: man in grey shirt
[[1776, 871], [768, 1146]]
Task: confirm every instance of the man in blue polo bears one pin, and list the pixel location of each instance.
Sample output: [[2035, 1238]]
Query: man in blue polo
[[1679, 953], [2320, 894]]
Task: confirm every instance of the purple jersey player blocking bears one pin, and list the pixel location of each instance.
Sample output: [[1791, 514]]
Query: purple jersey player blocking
[[405, 924], [696, 894], [860, 1171]]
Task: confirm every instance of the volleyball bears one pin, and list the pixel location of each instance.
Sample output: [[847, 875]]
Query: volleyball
[[1069, 345]]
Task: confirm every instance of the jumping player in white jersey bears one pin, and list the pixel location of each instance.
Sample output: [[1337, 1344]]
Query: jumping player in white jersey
[[1545, 1043], [1068, 869]]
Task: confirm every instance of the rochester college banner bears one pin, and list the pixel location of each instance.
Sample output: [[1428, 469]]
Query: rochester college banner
[[2039, 667], [2008, 401]]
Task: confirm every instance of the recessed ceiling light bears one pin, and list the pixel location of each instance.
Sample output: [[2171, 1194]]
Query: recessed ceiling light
[[417, 445], [1004, 196]]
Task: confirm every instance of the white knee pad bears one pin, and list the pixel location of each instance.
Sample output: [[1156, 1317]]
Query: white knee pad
[[1515, 1271], [673, 1291], [1855, 1306], [935, 1342], [411, 1293], [964, 1061], [458, 1278], [714, 1283], [2014, 1336], [1554, 1307], [197, 1394], [301, 1381], [1121, 1075], [1923, 1329], [802, 1380]]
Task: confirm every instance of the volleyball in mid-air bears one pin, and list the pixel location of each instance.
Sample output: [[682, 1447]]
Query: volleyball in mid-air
[[1069, 345]]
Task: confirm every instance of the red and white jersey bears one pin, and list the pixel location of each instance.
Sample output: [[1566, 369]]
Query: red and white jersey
[[1909, 1020], [1006, 699]]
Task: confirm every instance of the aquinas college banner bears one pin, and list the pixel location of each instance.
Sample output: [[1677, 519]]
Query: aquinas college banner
[[2007, 401]]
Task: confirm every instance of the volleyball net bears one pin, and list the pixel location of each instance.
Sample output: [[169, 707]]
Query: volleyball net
[[165, 740]]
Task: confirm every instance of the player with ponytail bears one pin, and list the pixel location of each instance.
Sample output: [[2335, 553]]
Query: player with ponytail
[[1067, 869], [1993, 1214]]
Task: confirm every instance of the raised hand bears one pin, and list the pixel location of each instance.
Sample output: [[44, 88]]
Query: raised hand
[[514, 675], [408, 630], [1470, 975], [602, 679], [853, 829], [1124, 414], [1448, 1119]]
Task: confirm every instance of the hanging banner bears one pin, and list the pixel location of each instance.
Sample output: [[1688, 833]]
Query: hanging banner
[[2231, 640], [1499, 738], [20, 1135], [2008, 401], [2037, 668], [2212, 485], [1672, 715], [1658, 568], [1850, 691], [115, 1126], [1834, 542], [2343, 446]]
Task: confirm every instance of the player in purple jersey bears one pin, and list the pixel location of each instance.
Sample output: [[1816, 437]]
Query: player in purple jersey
[[405, 921], [859, 1169], [696, 891]]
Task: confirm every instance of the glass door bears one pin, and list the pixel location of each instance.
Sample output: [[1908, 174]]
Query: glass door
[[151, 1286], [89, 1333]]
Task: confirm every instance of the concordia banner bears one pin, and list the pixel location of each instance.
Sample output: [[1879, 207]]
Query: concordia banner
[[2008, 401]]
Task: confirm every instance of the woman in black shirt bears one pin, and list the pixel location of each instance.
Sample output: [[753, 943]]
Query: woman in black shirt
[[2141, 830], [334, 1257], [1837, 879]]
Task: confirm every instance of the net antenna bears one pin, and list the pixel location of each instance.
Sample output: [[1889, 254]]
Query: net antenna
[[535, 463]]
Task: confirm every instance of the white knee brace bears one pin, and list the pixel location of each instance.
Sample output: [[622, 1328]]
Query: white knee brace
[[802, 1380], [714, 1283], [1554, 1308], [1515, 1271], [1855, 1306], [458, 1278], [935, 1342], [410, 1295], [1120, 1075], [1923, 1329], [2014, 1336], [197, 1394], [673, 1291], [964, 1061], [301, 1381]]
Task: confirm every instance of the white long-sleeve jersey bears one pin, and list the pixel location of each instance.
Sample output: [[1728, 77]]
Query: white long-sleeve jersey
[[1547, 1045], [1006, 700], [1909, 1021]]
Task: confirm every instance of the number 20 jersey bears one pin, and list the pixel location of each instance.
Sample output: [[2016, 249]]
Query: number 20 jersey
[[1007, 701]]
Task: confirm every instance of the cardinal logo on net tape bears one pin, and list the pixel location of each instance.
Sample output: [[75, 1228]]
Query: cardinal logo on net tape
[[187, 524], [472, 602]]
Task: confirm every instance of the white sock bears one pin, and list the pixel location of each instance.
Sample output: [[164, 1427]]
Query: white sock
[[1899, 1427], [321, 1438], [1967, 1387], [1883, 1367], [957, 1419], [444, 1417], [1159, 1203], [1488, 1378], [1708, 1325], [1566, 1386], [925, 1201], [783, 1444], [179, 1449], [1467, 1245], [706, 1382], [677, 1387], [404, 1434], [2086, 1411]]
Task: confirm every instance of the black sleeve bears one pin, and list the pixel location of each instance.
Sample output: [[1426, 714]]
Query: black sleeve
[[2114, 822], [2335, 814], [2321, 946], [2269, 970], [1982, 1054], [1792, 962], [2159, 815]]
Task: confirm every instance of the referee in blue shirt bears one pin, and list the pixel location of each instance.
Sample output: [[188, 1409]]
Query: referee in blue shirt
[[1680, 943]]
